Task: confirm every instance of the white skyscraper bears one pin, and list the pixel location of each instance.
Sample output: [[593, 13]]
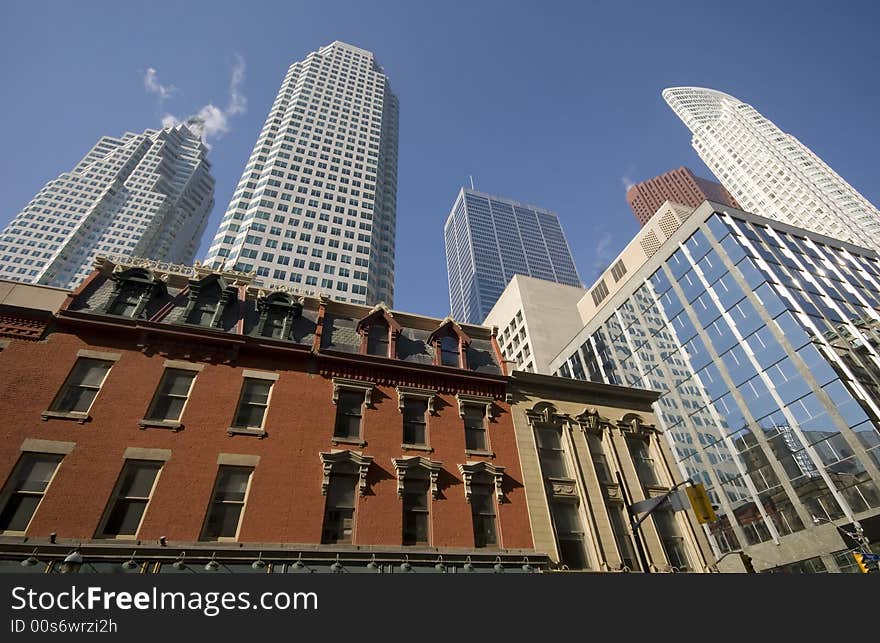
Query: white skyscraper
[[315, 209], [770, 172], [145, 195]]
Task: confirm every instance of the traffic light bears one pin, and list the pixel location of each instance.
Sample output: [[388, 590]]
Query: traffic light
[[700, 503], [747, 562], [862, 562]]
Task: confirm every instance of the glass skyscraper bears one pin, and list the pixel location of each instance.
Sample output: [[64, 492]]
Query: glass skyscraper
[[489, 239], [315, 208], [763, 339], [143, 195]]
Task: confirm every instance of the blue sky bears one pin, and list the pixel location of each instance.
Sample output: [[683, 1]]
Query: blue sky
[[552, 103]]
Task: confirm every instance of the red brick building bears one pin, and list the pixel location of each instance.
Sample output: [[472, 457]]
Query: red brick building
[[178, 414], [679, 186]]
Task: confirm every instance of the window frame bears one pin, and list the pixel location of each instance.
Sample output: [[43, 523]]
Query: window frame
[[235, 428], [115, 498], [149, 418], [8, 491], [213, 502], [54, 408]]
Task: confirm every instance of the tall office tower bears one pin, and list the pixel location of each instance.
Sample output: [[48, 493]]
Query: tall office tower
[[764, 342], [770, 172], [489, 239], [316, 205], [678, 186], [144, 195]]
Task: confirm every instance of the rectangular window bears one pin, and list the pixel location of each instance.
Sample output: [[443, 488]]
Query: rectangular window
[[82, 385], [171, 395], [415, 512], [414, 424], [349, 413], [475, 428], [550, 452], [227, 503], [253, 403], [483, 513], [570, 534], [377, 340], [638, 449], [25, 490], [132, 495], [339, 511]]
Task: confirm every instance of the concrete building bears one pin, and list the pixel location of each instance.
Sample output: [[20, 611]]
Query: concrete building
[[588, 451], [489, 239], [143, 195], [535, 318], [761, 338], [770, 172], [679, 186], [316, 205]]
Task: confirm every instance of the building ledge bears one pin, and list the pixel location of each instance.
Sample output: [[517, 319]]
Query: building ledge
[[237, 430], [417, 447], [487, 454], [160, 424], [78, 416], [356, 441]]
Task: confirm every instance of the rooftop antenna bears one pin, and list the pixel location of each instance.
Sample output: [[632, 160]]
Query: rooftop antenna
[[471, 177]]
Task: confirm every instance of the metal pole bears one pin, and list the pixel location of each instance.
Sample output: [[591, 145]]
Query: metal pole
[[643, 557]]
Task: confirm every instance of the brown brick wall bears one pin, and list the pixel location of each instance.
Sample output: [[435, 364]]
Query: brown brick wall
[[285, 504]]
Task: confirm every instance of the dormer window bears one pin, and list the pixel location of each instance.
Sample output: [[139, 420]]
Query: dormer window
[[379, 332], [132, 291], [377, 340], [450, 344], [450, 351], [208, 299], [205, 307], [277, 315]]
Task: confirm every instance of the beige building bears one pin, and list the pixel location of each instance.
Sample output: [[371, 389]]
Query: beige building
[[535, 318], [588, 452]]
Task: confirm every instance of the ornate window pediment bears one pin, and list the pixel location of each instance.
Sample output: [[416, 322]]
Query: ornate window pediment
[[546, 413], [417, 466], [345, 461], [590, 420], [404, 392], [474, 400], [470, 469], [343, 384], [635, 426]]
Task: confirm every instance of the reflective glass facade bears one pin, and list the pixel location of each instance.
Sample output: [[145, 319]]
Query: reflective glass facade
[[490, 239], [764, 341]]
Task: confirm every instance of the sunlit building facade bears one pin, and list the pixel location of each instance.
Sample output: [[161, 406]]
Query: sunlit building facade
[[770, 172], [315, 208]]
